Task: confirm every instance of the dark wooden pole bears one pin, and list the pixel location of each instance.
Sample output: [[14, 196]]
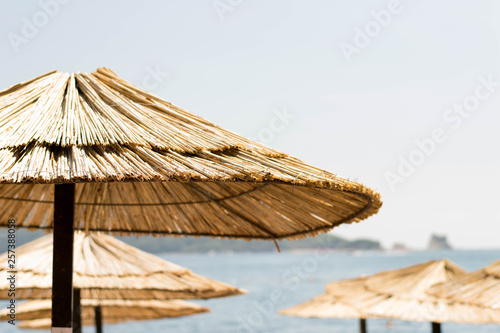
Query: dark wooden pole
[[436, 327], [77, 311], [62, 266], [98, 319], [362, 325]]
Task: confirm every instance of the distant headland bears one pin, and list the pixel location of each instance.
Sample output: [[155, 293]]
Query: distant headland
[[439, 242], [207, 244]]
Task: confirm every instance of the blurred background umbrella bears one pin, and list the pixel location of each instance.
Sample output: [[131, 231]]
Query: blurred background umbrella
[[481, 287], [145, 166], [37, 313], [398, 294], [402, 294], [107, 268], [330, 306]]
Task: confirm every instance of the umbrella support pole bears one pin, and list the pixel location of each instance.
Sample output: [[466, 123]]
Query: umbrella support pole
[[62, 267], [77, 311], [436, 327], [98, 319], [362, 325]]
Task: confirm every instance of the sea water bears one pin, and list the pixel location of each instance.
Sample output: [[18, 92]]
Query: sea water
[[275, 281]]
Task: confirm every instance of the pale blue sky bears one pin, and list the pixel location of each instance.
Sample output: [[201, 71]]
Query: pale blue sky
[[352, 118]]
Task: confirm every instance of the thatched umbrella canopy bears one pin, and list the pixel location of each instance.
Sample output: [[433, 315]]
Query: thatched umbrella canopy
[[37, 313], [142, 165], [107, 268], [402, 294], [481, 287], [399, 294], [328, 305], [145, 166], [324, 306]]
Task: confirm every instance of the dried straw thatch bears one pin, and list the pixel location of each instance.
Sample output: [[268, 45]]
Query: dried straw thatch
[[481, 287], [106, 268], [328, 305], [399, 294], [37, 313], [323, 306], [402, 294], [146, 166]]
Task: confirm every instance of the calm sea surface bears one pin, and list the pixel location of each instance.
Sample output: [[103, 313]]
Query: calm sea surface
[[277, 280]]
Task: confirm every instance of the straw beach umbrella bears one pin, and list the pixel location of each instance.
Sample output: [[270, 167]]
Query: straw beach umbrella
[[328, 305], [37, 313], [399, 294], [402, 294], [123, 160], [481, 287], [107, 268]]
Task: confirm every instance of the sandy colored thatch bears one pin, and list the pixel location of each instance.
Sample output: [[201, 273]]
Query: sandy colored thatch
[[323, 306], [481, 287], [106, 268], [37, 313], [329, 305], [170, 172], [402, 294], [399, 294], [410, 282]]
